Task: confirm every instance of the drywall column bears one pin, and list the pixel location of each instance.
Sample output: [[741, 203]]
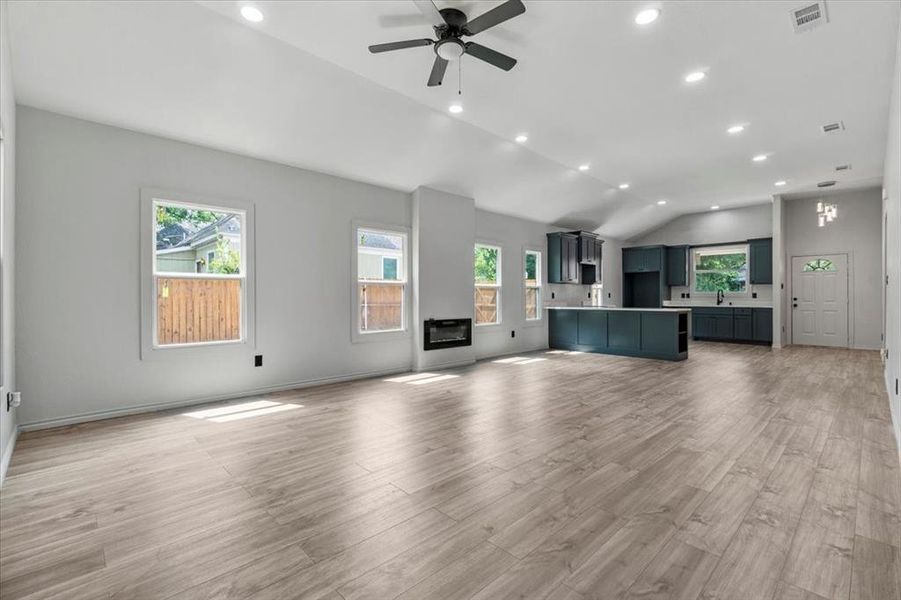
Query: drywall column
[[778, 273], [443, 283], [891, 214], [7, 251]]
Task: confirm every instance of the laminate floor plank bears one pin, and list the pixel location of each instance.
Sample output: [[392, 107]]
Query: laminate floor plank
[[575, 477]]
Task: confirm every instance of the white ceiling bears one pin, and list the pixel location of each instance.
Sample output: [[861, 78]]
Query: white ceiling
[[591, 87]]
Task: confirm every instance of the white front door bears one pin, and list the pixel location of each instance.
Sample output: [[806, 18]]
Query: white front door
[[820, 300]]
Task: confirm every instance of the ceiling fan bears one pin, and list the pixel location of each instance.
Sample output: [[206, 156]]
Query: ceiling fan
[[450, 25]]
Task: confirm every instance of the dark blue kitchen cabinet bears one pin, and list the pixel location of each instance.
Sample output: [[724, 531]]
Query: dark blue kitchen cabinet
[[761, 258], [563, 327], [643, 259], [592, 327], [677, 265], [732, 324], [762, 325], [563, 258], [624, 330]]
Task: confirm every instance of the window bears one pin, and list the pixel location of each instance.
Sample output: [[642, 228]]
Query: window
[[199, 274], [381, 280], [532, 282], [487, 268], [820, 264], [722, 268]]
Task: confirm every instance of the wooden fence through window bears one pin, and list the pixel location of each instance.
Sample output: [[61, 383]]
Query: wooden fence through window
[[486, 305], [198, 310], [381, 306]]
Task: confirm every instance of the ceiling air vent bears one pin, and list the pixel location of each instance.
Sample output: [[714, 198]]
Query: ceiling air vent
[[809, 16], [833, 127], [825, 184], [843, 168]]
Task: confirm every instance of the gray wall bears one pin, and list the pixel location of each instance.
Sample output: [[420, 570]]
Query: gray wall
[[892, 216], [77, 270], [512, 235], [7, 246], [78, 326], [858, 232], [712, 227]]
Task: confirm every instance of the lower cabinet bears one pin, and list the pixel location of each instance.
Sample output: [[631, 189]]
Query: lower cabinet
[[728, 324], [648, 334]]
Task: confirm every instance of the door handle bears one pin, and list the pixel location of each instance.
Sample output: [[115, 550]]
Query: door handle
[[794, 306]]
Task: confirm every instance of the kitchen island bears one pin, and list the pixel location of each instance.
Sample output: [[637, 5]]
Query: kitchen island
[[660, 333]]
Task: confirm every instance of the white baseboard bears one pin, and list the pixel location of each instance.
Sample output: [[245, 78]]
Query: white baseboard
[[8, 454], [447, 365], [160, 406]]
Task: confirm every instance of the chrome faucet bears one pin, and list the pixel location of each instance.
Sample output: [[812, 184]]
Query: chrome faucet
[[720, 297]]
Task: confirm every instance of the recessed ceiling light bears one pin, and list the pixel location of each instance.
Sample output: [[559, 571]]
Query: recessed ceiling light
[[780, 183], [735, 129], [252, 14], [760, 158], [661, 202], [647, 16], [695, 76], [624, 186], [455, 108], [715, 207], [584, 167], [522, 138]]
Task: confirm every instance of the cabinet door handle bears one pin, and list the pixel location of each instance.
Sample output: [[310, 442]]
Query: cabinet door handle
[[794, 306]]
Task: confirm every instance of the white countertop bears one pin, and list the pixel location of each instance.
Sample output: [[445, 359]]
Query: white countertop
[[617, 308], [726, 304]]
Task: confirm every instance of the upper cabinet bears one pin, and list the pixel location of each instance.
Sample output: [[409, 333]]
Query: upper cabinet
[[761, 258], [563, 258], [574, 257], [677, 265], [643, 259]]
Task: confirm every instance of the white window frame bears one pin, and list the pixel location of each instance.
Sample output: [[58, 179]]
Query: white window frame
[[498, 285], [540, 287], [356, 335], [722, 249], [150, 349]]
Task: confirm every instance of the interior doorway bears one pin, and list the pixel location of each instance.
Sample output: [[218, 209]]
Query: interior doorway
[[820, 300]]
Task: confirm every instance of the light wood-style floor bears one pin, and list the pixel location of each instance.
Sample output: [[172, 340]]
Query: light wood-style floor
[[743, 473]]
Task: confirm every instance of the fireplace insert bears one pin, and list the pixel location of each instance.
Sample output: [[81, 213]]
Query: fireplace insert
[[447, 333]]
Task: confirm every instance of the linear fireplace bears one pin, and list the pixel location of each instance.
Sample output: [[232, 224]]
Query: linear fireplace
[[447, 333]]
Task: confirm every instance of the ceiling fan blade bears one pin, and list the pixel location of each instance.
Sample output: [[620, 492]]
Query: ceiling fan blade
[[495, 16], [430, 12], [493, 57], [375, 48], [438, 69]]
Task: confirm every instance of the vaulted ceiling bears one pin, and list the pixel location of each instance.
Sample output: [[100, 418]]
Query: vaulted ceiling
[[591, 87]]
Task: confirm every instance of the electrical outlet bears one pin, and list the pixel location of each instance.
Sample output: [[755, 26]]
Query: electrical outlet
[[552, 295], [513, 333], [13, 400], [753, 294], [258, 360]]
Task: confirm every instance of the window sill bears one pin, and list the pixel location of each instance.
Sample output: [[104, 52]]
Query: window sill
[[533, 322], [358, 337]]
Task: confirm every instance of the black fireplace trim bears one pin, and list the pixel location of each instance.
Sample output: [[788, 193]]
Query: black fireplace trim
[[428, 344]]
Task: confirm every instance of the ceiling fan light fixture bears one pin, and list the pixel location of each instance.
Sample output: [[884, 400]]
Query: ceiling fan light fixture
[[451, 49], [624, 186], [695, 76], [522, 138], [455, 108]]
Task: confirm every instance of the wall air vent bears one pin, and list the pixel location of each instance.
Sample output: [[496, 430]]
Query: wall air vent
[[833, 127], [843, 168], [809, 16], [825, 184]]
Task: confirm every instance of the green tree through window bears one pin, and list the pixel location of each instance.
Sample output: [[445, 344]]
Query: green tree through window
[[725, 271], [485, 264]]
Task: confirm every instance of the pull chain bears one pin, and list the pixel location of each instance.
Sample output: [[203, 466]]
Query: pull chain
[[460, 76]]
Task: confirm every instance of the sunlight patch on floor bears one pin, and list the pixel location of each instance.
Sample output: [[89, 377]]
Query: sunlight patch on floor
[[244, 410]]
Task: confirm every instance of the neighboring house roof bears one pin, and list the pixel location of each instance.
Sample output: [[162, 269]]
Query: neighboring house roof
[[377, 240], [185, 235]]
